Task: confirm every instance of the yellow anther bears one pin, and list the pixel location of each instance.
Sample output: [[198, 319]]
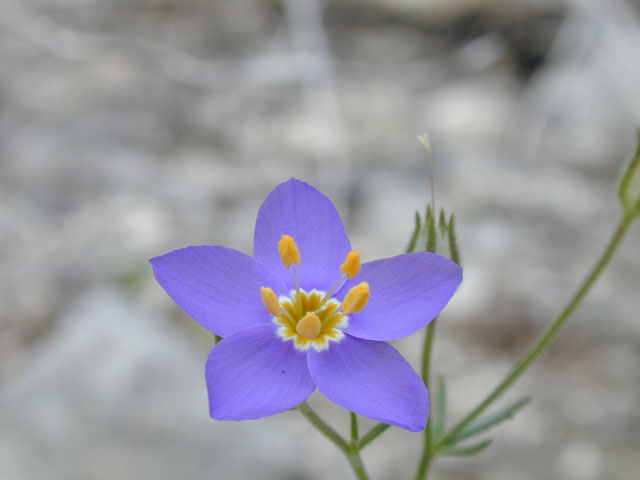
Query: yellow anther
[[288, 251], [351, 265], [309, 326], [356, 299], [270, 300]]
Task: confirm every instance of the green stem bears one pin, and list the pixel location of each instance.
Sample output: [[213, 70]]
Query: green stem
[[323, 428], [427, 449], [545, 339], [372, 434], [354, 429], [351, 452], [356, 464]]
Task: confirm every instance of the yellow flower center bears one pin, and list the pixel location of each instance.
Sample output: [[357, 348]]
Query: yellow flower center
[[308, 322], [309, 326], [312, 319]]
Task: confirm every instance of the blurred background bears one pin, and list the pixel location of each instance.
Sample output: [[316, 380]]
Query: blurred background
[[129, 128]]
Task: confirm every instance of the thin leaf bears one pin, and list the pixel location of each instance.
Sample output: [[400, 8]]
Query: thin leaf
[[441, 412], [372, 434], [431, 231], [629, 189], [467, 450], [453, 242], [415, 234], [443, 223], [491, 420]]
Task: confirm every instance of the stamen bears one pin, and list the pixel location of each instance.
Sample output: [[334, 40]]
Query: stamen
[[356, 298], [270, 300], [288, 316], [290, 255], [289, 252], [309, 326], [349, 269], [330, 292], [351, 265], [298, 296]]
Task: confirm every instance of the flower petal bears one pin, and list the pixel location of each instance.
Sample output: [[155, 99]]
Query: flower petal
[[253, 373], [407, 292], [297, 209], [217, 286], [372, 379]]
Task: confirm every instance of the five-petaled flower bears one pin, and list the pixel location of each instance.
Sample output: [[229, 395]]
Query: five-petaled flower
[[303, 313]]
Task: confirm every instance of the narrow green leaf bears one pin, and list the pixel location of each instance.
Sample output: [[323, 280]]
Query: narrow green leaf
[[443, 223], [441, 412], [629, 189], [467, 450], [491, 420], [415, 234], [453, 242], [372, 434], [431, 230]]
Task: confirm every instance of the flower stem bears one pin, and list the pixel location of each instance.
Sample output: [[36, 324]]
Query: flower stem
[[352, 452], [427, 449], [354, 429], [322, 426], [546, 338], [356, 464], [372, 434]]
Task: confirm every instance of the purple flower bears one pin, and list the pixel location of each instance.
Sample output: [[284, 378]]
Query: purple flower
[[302, 313]]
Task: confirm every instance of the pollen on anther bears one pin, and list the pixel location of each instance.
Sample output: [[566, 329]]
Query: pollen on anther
[[351, 265], [270, 300], [356, 298], [288, 250]]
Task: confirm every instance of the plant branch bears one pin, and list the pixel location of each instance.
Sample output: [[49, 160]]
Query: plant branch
[[354, 429], [546, 338], [372, 434], [351, 452], [425, 460]]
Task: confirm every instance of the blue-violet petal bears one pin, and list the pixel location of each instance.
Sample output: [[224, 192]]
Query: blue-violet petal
[[217, 286], [253, 374], [371, 379], [297, 209]]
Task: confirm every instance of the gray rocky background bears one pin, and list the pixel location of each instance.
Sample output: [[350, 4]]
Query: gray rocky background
[[132, 127]]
